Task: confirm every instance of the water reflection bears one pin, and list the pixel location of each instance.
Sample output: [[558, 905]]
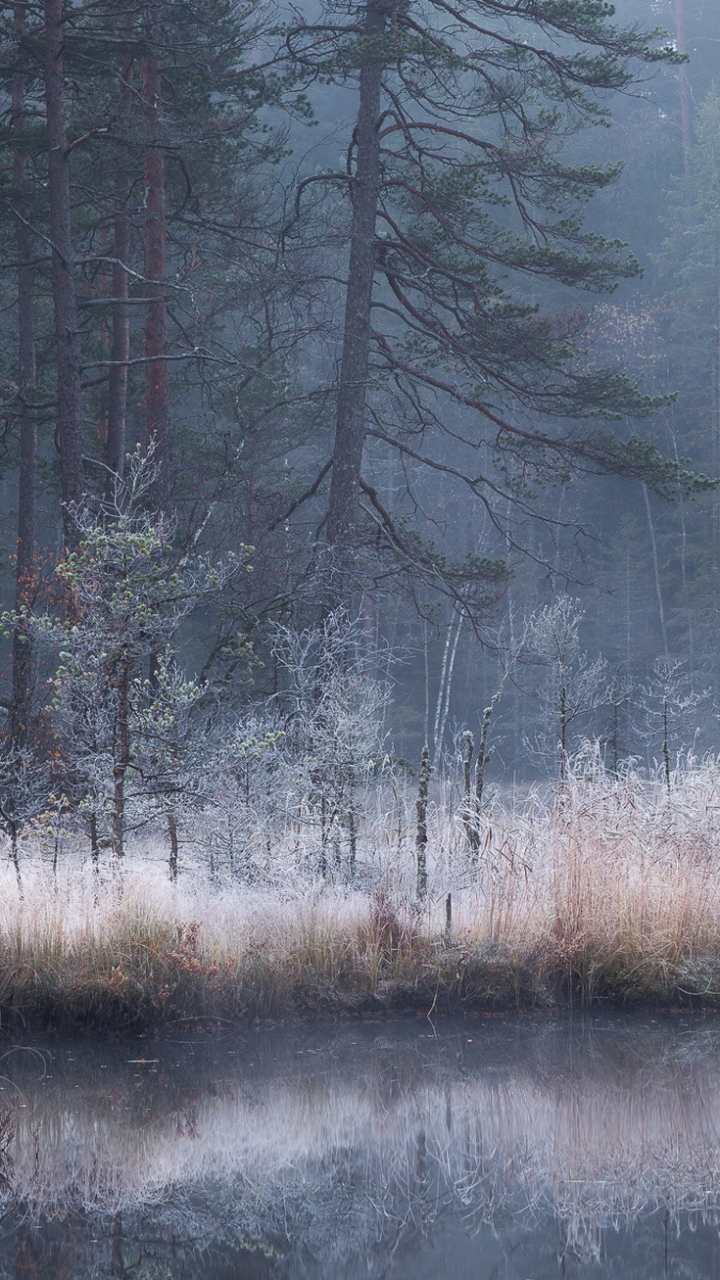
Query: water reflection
[[479, 1149]]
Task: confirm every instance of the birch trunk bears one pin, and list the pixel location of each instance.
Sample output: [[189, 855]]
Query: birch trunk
[[442, 707]]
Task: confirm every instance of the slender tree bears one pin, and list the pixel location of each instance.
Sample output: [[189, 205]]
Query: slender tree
[[68, 436], [120, 346], [690, 268], [23, 663], [683, 86], [157, 389]]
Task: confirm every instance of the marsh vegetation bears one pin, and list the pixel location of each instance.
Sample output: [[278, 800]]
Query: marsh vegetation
[[610, 892]]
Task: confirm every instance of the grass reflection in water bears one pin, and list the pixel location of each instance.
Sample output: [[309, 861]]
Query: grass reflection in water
[[369, 1150]]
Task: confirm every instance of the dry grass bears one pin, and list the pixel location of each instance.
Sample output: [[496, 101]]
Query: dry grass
[[613, 893]]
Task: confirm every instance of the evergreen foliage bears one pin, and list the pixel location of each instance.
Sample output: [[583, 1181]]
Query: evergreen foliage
[[359, 286]]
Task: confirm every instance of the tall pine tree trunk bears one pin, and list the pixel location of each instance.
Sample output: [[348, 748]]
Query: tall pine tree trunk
[[656, 574], [23, 657], [120, 348], [342, 520], [718, 369], [122, 757], [68, 435], [156, 378], [684, 86]]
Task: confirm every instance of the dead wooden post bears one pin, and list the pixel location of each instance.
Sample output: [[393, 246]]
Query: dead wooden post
[[467, 816]]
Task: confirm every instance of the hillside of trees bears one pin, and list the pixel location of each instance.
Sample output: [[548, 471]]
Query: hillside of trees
[[359, 391]]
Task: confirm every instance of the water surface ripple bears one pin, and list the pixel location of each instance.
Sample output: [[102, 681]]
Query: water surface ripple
[[496, 1148]]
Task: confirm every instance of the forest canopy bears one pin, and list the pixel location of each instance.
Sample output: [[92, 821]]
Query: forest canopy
[[404, 312]]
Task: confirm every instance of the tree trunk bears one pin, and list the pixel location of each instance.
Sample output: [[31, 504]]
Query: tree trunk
[[474, 805], [468, 808], [342, 520], [666, 743], [717, 366], [68, 435], [563, 743], [684, 87], [446, 679], [14, 856], [352, 840], [23, 668], [174, 846], [656, 573], [687, 611], [122, 759], [120, 347], [421, 804], [94, 844], [483, 755], [156, 377]]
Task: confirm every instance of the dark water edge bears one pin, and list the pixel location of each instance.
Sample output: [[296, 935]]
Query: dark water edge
[[135, 1245], [511, 1149]]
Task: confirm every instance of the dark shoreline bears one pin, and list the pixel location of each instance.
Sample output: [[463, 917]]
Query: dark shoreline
[[455, 985]]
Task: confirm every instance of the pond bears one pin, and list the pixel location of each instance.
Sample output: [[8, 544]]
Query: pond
[[464, 1150]]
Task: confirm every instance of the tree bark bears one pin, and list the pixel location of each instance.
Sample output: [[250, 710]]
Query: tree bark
[[684, 87], [446, 679], [68, 435], [474, 796], [717, 374], [122, 757], [342, 520], [94, 844], [174, 846], [563, 732], [657, 575], [421, 806], [23, 668], [120, 347], [156, 379]]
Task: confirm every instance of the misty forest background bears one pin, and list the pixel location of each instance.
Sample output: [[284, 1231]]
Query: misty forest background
[[531, 525]]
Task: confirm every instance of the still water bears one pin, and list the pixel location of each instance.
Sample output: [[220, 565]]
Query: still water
[[496, 1148]]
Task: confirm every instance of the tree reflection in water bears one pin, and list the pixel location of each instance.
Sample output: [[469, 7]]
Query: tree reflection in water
[[474, 1149]]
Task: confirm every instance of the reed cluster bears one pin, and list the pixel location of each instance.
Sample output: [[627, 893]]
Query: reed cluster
[[611, 891]]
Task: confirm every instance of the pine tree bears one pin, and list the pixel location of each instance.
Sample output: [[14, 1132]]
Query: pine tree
[[80, 143], [690, 266], [463, 211]]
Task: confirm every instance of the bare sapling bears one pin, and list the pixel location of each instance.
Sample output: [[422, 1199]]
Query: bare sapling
[[670, 713], [619, 700], [331, 710], [574, 686], [243, 809]]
